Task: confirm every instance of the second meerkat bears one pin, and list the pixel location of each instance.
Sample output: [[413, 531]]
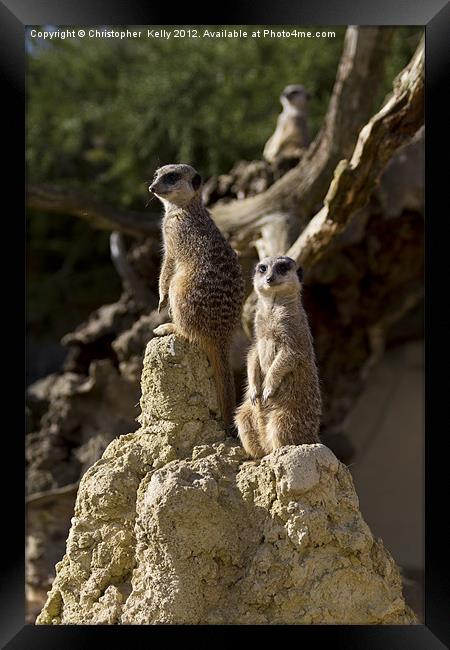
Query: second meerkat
[[283, 402], [201, 278]]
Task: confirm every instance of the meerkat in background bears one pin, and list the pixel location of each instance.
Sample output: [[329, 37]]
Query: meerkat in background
[[201, 278], [283, 403], [291, 135]]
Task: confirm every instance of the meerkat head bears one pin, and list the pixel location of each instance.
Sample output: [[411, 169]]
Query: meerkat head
[[176, 184], [277, 276], [295, 97]]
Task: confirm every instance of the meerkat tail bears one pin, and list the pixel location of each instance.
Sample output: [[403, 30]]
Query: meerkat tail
[[218, 354]]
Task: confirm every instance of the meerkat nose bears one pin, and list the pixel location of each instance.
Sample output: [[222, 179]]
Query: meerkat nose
[[270, 279], [152, 187]]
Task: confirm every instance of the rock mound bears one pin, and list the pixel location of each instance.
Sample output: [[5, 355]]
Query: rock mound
[[174, 525]]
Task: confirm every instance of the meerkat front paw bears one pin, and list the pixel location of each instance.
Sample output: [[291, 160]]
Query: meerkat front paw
[[268, 392], [165, 329], [254, 395]]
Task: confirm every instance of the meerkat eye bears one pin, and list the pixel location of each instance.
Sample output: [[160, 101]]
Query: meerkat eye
[[262, 268], [171, 177]]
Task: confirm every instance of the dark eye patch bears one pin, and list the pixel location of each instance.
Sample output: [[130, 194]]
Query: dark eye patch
[[171, 177], [262, 268], [196, 181], [282, 268]]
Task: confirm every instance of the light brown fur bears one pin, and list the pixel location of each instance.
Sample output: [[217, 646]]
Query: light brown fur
[[283, 403], [201, 277]]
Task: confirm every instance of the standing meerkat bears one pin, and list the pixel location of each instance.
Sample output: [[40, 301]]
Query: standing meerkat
[[201, 278], [291, 134], [283, 403]]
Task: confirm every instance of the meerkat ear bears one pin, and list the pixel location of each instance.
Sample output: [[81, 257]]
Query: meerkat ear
[[196, 181], [300, 273]]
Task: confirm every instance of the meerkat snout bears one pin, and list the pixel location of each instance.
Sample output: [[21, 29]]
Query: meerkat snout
[[176, 184], [277, 275]]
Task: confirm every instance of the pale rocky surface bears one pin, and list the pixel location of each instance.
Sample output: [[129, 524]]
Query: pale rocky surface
[[174, 525]]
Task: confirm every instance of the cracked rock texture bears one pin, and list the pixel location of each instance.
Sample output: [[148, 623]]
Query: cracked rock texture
[[174, 525]]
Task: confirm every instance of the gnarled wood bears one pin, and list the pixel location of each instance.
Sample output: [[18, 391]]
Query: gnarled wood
[[51, 198]]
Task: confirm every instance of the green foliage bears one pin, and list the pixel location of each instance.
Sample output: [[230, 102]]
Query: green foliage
[[69, 274]]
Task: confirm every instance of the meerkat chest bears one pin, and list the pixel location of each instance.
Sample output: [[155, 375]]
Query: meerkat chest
[[267, 351], [272, 336], [269, 342]]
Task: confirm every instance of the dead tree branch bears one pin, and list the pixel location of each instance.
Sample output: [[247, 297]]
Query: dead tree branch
[[50, 198]]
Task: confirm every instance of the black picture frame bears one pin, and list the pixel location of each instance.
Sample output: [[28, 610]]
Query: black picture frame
[[434, 15]]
